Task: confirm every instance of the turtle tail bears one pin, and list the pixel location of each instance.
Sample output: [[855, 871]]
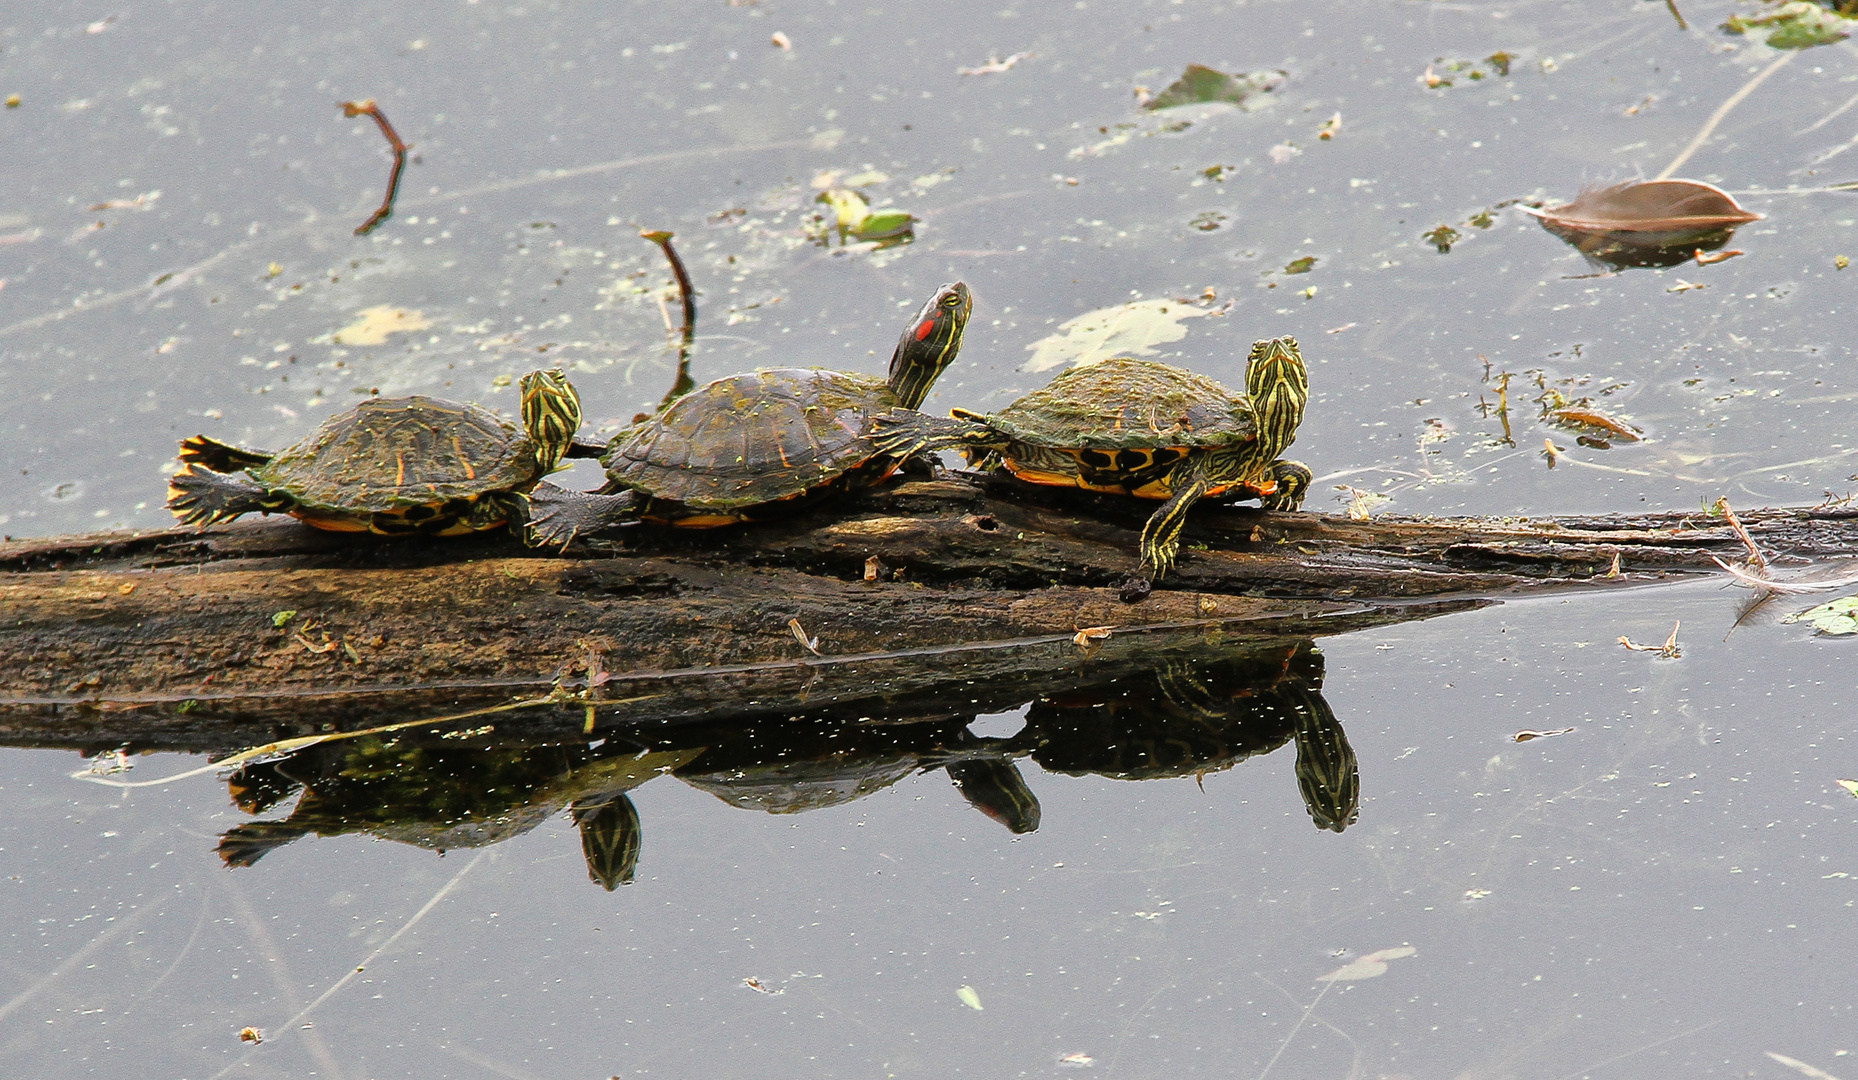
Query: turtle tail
[[202, 497]]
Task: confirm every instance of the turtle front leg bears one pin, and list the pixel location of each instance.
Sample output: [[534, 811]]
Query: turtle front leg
[[199, 496], [553, 515], [1293, 482], [1161, 535]]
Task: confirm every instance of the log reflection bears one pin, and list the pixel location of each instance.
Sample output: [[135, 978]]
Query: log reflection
[[1182, 717]]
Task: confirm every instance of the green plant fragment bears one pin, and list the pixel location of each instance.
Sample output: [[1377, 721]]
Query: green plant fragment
[[969, 998], [278, 619], [1442, 238], [885, 225], [1836, 617], [1201, 85], [1300, 266], [1798, 24]]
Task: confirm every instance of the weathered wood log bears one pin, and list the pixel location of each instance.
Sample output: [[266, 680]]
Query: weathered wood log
[[275, 624]]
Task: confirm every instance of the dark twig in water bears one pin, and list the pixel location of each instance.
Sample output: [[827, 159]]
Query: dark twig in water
[[368, 108], [1675, 14], [682, 384]]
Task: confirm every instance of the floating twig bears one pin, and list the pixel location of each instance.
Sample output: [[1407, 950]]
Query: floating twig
[[994, 66], [1668, 650], [368, 108], [1527, 734], [682, 383], [1675, 14]]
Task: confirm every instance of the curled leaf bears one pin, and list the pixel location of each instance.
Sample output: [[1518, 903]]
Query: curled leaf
[[1646, 222], [1593, 418]]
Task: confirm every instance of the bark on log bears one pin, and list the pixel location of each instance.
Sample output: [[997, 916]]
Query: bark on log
[[978, 577]]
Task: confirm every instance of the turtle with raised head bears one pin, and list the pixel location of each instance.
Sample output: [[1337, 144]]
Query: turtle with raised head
[[1141, 428], [757, 445], [393, 466]]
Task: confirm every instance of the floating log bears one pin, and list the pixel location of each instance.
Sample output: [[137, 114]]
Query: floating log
[[264, 629]]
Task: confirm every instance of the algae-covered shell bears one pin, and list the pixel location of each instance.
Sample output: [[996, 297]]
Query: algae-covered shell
[[1128, 403], [753, 438]]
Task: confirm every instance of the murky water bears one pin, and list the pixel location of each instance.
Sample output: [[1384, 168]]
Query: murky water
[[1666, 890]]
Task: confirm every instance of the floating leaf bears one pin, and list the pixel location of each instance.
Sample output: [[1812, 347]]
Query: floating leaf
[[1367, 967], [1132, 329], [1646, 222], [1849, 785], [1442, 238], [1836, 617], [970, 998], [1300, 266], [885, 225], [1200, 85], [372, 325]]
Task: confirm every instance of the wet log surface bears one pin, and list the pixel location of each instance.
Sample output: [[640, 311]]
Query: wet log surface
[[123, 637]]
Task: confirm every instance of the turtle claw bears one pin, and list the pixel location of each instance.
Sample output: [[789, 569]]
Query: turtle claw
[[1135, 589]]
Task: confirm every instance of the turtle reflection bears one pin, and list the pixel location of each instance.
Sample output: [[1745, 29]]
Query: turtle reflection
[[446, 797], [1192, 717], [1186, 716]]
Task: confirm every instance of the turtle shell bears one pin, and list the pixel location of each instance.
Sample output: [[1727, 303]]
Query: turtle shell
[[1124, 403], [391, 453], [754, 438]]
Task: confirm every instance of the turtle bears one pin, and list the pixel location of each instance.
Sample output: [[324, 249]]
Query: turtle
[[756, 445], [393, 466], [1143, 428]]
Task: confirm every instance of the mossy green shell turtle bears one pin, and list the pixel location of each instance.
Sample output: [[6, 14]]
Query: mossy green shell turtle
[[1141, 428], [756, 445], [392, 466]]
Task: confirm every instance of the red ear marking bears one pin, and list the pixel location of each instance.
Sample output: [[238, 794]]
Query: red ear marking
[[925, 329]]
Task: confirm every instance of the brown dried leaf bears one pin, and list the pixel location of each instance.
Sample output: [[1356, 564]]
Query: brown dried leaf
[[1648, 206], [1594, 419]]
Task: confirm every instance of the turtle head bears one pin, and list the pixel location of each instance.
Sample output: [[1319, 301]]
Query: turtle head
[[1279, 386], [930, 344], [551, 415]]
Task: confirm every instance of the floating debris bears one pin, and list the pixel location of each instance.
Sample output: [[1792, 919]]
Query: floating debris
[[1645, 222], [1201, 85], [1528, 735], [1668, 650], [994, 66]]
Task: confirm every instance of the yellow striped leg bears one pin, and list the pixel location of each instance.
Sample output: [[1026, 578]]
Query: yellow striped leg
[[1161, 536]]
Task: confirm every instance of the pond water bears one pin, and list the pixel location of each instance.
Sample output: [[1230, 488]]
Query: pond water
[[1668, 889]]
